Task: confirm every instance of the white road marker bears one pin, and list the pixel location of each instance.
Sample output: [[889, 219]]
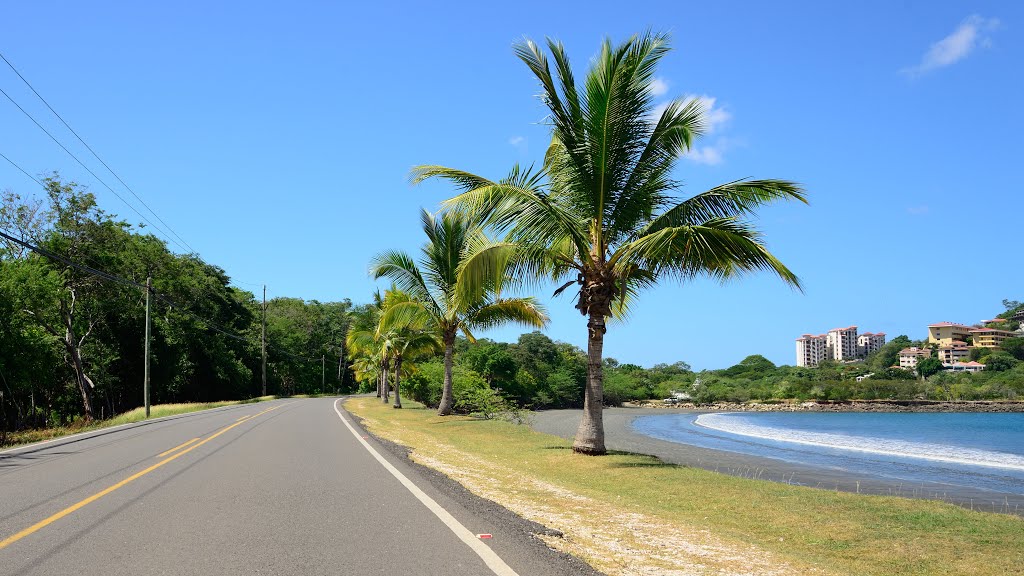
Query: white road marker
[[493, 561]]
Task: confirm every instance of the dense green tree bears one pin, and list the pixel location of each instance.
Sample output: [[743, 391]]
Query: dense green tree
[[929, 366], [1000, 361], [1014, 347], [601, 214]]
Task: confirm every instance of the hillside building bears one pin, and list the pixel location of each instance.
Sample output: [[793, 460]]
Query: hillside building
[[839, 344], [910, 356], [955, 352], [944, 333], [810, 350], [869, 342], [990, 337]]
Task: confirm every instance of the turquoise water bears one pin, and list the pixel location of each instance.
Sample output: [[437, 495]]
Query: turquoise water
[[977, 450]]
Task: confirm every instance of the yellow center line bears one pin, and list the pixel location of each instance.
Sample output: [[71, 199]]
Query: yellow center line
[[244, 417], [70, 509], [176, 448]]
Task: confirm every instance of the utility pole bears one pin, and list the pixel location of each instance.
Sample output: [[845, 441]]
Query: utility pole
[[145, 385], [323, 367], [263, 340]]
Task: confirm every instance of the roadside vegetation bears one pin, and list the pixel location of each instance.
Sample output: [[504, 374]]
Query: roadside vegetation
[[631, 514]]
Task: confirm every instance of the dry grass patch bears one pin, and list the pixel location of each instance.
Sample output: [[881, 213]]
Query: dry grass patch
[[634, 515]]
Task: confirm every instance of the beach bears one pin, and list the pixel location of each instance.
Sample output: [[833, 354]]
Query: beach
[[620, 436]]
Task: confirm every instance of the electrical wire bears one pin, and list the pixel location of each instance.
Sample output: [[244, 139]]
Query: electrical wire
[[89, 170], [97, 156]]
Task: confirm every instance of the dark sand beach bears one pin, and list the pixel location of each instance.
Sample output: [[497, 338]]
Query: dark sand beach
[[619, 435]]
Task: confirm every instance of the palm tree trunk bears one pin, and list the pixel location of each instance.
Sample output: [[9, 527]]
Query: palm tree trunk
[[590, 435], [447, 398], [398, 370], [385, 394]]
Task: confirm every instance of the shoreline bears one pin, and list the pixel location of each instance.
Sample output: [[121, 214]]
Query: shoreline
[[996, 406], [620, 436]]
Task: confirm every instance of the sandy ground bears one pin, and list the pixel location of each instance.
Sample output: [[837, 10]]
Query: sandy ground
[[619, 435]]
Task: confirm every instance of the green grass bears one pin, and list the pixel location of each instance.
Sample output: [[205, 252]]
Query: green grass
[[136, 415], [626, 512]]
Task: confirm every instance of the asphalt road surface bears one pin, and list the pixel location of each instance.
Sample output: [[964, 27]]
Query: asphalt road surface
[[282, 487]]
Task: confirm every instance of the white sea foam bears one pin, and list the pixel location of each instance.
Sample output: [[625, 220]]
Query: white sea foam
[[869, 444]]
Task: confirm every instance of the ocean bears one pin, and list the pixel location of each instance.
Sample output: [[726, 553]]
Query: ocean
[[982, 451]]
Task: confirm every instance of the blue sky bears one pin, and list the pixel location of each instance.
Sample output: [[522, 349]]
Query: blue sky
[[277, 141]]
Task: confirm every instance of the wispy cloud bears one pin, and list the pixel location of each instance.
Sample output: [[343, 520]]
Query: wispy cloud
[[714, 116], [659, 87], [516, 140], [973, 32], [714, 153], [917, 210]]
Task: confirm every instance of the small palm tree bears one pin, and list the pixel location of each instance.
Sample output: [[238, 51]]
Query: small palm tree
[[442, 296], [601, 215], [402, 340]]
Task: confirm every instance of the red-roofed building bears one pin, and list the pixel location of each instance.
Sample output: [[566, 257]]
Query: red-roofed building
[[869, 342], [910, 356], [840, 344], [964, 367], [955, 352], [944, 333], [990, 337]]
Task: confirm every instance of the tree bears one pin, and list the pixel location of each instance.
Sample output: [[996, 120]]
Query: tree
[[448, 294], [600, 214], [999, 361], [1014, 347], [929, 366], [401, 340]]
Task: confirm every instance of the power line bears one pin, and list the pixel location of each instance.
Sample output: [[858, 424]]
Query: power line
[[109, 169], [89, 170], [34, 179]]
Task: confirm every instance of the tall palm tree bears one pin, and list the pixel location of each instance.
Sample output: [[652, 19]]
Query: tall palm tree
[[601, 214], [440, 294]]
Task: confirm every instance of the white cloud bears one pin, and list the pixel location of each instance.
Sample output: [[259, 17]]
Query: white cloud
[[659, 87], [516, 140], [714, 117], [917, 210], [714, 153], [710, 155], [971, 33]]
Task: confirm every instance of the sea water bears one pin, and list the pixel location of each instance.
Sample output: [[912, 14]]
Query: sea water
[[974, 450]]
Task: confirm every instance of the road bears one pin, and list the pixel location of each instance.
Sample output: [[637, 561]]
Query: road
[[281, 487]]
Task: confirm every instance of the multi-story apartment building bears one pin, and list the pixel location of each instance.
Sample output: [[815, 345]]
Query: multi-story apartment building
[[842, 343], [838, 344], [910, 356], [869, 342], [810, 350], [990, 337], [955, 352], [944, 333]]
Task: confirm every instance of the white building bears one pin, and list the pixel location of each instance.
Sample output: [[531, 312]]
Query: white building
[[964, 367], [910, 356], [842, 343], [810, 350], [869, 342]]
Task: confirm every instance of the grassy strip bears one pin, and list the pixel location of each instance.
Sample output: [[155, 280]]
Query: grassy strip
[[136, 415], [632, 514]]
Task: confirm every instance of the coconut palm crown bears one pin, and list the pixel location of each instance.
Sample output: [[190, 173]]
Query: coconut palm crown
[[602, 214], [438, 290]]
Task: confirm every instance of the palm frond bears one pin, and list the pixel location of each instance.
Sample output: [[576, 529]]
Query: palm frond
[[522, 311], [733, 199]]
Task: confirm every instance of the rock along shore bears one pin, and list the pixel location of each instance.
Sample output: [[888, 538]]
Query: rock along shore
[[848, 406]]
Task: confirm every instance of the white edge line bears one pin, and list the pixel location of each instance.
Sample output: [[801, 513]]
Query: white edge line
[[493, 561], [112, 428]]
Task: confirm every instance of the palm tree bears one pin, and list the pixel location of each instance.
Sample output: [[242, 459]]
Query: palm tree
[[601, 214], [402, 340], [442, 296]]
